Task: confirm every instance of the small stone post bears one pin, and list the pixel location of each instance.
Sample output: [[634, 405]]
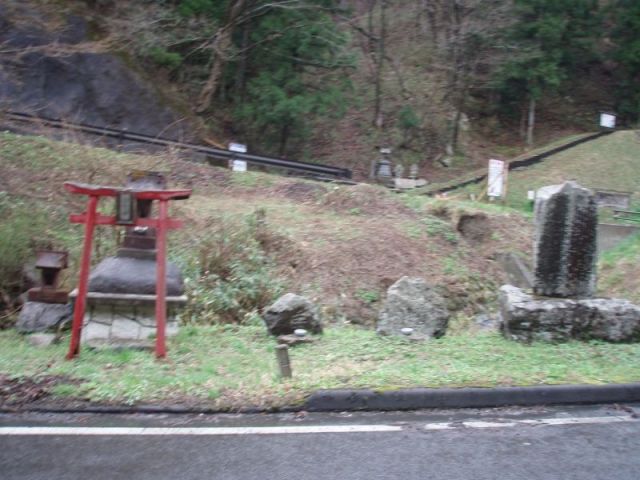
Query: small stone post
[[282, 354]]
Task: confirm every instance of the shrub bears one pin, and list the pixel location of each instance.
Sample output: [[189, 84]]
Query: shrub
[[234, 276], [164, 58], [20, 224]]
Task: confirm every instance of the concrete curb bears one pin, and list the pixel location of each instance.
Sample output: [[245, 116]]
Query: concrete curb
[[426, 398], [405, 399]]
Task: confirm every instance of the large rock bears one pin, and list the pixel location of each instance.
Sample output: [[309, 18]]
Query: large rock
[[413, 303], [566, 241], [290, 312], [133, 275], [527, 318], [97, 88], [39, 317]]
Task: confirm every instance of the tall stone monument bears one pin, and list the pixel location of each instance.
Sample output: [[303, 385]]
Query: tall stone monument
[[561, 306], [565, 246]]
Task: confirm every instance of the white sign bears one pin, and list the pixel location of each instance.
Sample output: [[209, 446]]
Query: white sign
[[607, 120], [239, 166], [497, 178], [238, 147]]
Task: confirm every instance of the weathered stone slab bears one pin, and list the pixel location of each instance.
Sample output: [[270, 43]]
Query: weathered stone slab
[[413, 303], [39, 317], [527, 318], [517, 270], [290, 312], [565, 245]]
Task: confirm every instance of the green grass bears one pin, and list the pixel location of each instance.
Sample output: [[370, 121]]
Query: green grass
[[228, 366], [47, 159], [232, 366], [627, 250], [619, 272], [609, 163]]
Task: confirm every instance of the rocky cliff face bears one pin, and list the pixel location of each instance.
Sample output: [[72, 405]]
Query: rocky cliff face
[[44, 70]]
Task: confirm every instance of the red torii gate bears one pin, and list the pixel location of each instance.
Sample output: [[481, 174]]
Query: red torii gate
[[90, 218]]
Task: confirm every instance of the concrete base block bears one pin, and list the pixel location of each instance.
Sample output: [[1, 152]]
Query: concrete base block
[[528, 318], [112, 321]]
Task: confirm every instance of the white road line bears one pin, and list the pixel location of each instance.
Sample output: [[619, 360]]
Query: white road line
[[536, 422], [287, 430], [4, 431]]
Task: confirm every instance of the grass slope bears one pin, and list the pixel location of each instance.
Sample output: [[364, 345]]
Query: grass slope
[[619, 270], [611, 162]]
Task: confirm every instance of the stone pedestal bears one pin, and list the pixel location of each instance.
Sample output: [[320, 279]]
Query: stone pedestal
[[126, 320], [527, 318]]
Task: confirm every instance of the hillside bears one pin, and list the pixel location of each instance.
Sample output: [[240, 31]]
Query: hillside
[[434, 81], [341, 245]]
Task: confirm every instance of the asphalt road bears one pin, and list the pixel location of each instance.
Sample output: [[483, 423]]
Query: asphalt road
[[570, 443]]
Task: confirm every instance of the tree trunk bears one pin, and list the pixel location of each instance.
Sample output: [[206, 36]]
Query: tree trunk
[[531, 121], [523, 123], [378, 119], [241, 73], [220, 47], [284, 138]]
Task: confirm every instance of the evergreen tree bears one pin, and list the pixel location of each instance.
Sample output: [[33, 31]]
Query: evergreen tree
[[293, 72], [275, 64], [626, 36], [550, 41]]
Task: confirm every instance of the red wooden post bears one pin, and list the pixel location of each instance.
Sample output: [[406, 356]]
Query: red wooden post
[[83, 282], [161, 279]]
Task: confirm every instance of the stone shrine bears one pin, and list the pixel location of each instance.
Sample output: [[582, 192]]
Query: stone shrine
[[121, 299], [46, 307], [561, 307]]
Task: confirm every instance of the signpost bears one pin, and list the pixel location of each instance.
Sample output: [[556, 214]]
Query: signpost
[[497, 179], [607, 120], [238, 165]]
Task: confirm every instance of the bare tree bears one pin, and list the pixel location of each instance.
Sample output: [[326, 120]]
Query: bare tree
[[220, 46], [465, 34]]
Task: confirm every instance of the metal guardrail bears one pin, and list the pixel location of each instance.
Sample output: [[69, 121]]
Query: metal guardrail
[[218, 153]]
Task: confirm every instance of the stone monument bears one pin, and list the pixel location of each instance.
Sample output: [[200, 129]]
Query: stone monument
[[561, 306], [565, 252]]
